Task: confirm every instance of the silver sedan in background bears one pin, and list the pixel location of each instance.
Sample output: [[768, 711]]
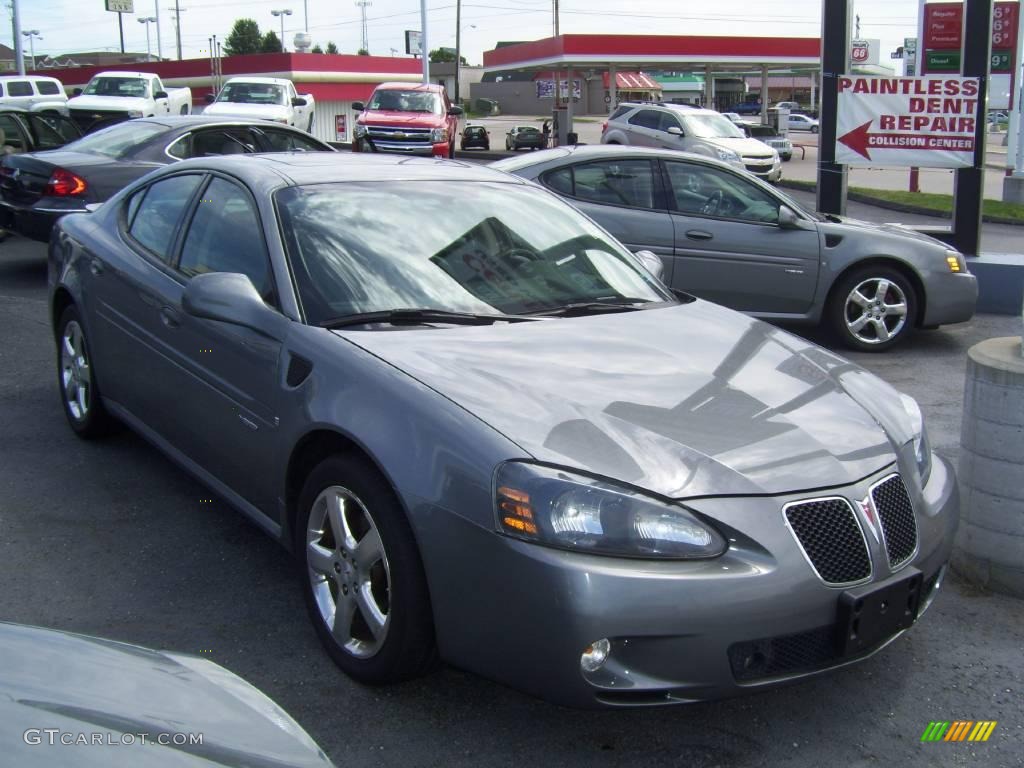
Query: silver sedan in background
[[490, 435], [730, 238]]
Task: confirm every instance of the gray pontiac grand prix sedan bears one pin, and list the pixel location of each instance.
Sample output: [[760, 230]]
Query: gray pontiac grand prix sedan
[[490, 436]]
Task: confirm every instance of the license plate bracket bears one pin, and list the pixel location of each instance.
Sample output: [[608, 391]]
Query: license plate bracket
[[873, 613]]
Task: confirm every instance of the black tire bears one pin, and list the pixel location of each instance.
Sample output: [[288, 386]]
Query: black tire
[[786, 158], [92, 421], [842, 310], [409, 648], [814, 129]]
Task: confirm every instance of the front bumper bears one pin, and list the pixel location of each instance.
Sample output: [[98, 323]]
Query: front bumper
[[420, 148], [35, 221], [950, 297], [522, 614]]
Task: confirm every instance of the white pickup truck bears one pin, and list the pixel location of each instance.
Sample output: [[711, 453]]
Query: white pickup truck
[[263, 98], [123, 95]]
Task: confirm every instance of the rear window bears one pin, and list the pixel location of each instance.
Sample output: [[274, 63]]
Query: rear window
[[118, 140], [47, 88], [19, 88]]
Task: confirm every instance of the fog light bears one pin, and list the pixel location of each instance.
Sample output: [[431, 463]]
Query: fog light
[[595, 655]]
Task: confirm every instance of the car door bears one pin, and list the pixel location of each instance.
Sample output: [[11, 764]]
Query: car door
[[160, 106], [729, 247], [229, 403], [644, 126], [662, 137], [626, 197], [13, 137]]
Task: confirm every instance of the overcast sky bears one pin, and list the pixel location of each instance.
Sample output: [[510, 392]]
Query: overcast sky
[[78, 25]]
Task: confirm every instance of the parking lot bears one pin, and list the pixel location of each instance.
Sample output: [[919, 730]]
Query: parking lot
[[109, 538]]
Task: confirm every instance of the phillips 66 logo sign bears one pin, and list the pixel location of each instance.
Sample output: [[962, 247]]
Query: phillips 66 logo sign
[[860, 51]]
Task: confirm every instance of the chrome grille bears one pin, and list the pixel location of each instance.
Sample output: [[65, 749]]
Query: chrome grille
[[896, 514], [385, 133], [831, 538]]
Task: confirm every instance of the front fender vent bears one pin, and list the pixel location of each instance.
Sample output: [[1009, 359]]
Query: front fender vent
[[298, 369], [831, 241]]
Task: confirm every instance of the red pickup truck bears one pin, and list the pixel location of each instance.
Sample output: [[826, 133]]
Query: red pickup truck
[[416, 119]]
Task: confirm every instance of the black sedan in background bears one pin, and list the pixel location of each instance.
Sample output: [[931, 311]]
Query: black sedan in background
[[38, 188], [475, 137]]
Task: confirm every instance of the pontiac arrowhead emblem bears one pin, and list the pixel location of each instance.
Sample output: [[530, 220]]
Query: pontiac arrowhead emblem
[[868, 508]]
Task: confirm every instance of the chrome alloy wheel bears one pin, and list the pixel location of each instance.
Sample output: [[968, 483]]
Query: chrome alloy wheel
[[75, 376], [875, 310], [348, 571]]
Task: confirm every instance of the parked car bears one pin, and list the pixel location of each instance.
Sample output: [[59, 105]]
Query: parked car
[[529, 136], [33, 93], [23, 131], [86, 701], [407, 118], [792, 106], [126, 95], [730, 238], [747, 108], [263, 98], [37, 189], [475, 137], [802, 123], [771, 137], [690, 129], [734, 117], [496, 438]]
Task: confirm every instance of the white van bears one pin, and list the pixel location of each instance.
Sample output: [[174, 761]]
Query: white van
[[33, 93]]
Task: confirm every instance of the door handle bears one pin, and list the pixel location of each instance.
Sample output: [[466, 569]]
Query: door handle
[[96, 267], [169, 317], [699, 234]]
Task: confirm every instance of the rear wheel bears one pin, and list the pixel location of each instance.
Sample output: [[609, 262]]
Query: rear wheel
[[873, 308], [362, 575], [76, 378]]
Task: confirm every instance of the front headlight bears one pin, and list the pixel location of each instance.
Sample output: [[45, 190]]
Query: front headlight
[[562, 509], [728, 156], [360, 131], [955, 261], [439, 135], [922, 448]]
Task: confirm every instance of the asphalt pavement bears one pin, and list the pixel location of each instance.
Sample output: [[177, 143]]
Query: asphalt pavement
[[109, 538]]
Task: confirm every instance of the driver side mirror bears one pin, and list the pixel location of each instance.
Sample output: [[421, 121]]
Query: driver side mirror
[[652, 262], [358, 106], [675, 130], [76, 92], [230, 297], [455, 111], [160, 95], [209, 98], [298, 101], [788, 218]]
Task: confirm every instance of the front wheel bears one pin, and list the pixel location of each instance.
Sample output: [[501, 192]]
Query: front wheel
[[76, 378], [873, 308], [361, 573], [814, 129]]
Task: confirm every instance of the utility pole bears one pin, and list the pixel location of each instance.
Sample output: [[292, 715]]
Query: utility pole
[[424, 47], [159, 45], [19, 54], [458, 45], [362, 4], [857, 26], [177, 10]]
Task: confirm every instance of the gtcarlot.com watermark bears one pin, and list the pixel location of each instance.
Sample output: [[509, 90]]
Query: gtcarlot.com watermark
[[54, 736]]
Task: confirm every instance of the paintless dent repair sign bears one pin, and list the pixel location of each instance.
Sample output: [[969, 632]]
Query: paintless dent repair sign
[[928, 122]]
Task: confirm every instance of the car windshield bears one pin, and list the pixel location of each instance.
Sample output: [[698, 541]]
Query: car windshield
[[117, 140], [527, 129], [710, 127], [116, 86], [252, 93], [394, 100], [504, 248]]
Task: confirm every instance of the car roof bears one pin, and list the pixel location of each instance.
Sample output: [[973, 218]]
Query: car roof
[[584, 152], [118, 73], [186, 121], [302, 168], [428, 87], [688, 108], [260, 80]]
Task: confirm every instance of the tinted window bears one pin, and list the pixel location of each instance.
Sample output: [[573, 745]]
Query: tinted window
[[156, 220], [117, 140], [225, 236], [19, 88], [616, 182], [51, 130], [619, 112], [213, 142], [668, 120], [560, 181], [702, 190], [46, 88], [288, 141], [10, 136], [646, 118]]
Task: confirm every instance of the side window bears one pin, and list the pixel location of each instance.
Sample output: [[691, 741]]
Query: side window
[[156, 219], [47, 88], [616, 182], [706, 191], [19, 88], [11, 139], [51, 130], [559, 181], [225, 236], [668, 120], [156, 86], [646, 118], [619, 112], [286, 141], [214, 142]]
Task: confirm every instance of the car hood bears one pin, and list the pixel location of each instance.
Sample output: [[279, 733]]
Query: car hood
[[684, 401], [85, 685], [408, 119], [742, 146], [109, 102], [247, 111]]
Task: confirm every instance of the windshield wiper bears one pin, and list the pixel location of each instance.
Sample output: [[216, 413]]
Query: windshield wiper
[[592, 307], [421, 316]]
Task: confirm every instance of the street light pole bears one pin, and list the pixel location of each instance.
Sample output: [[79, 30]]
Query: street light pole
[[19, 56], [282, 13], [458, 44], [424, 47], [147, 21], [32, 34]]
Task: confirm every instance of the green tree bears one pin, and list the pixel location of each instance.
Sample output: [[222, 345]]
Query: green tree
[[271, 43], [363, 52], [244, 38], [316, 49], [331, 47], [442, 55]]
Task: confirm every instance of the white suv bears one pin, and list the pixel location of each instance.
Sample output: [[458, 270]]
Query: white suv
[[690, 129], [33, 93]]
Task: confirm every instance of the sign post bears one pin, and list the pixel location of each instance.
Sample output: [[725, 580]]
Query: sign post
[[121, 7], [835, 56]]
